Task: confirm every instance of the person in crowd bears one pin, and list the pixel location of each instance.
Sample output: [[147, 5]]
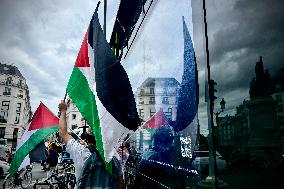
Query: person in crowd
[[43, 162], [52, 159], [9, 156], [132, 150], [157, 163], [123, 152], [90, 169]]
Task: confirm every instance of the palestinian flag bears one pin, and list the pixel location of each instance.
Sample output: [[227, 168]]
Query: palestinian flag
[[157, 120], [101, 90], [43, 124]]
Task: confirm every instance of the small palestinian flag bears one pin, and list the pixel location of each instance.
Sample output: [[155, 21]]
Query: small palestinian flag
[[43, 124], [157, 120]]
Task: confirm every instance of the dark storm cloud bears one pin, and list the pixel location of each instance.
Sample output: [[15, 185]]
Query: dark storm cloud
[[241, 31], [255, 28]]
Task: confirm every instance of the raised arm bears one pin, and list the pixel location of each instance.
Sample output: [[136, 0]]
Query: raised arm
[[63, 124]]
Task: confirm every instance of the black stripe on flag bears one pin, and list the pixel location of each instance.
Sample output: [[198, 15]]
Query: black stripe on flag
[[38, 153], [112, 84]]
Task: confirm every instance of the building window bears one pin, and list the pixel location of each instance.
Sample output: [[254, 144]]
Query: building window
[[152, 100], [281, 120], [141, 101], [74, 127], [20, 95], [278, 98], [9, 81], [177, 90], [15, 134], [2, 132], [18, 113], [152, 112], [4, 111], [165, 100], [141, 113], [73, 116], [142, 92], [165, 91], [169, 113], [7, 91], [152, 91], [279, 108]]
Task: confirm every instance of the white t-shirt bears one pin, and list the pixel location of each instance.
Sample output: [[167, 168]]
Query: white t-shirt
[[79, 153]]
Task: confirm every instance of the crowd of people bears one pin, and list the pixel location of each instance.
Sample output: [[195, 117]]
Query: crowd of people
[[90, 169]]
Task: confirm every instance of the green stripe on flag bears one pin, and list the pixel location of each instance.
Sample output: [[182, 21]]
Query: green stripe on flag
[[82, 96], [29, 145]]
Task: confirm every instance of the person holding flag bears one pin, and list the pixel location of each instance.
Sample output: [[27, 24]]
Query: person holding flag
[[90, 170], [100, 89]]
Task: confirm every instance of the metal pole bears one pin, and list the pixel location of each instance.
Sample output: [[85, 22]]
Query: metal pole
[[105, 13], [212, 150], [84, 129]]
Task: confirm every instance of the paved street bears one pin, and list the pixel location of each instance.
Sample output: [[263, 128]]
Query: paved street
[[249, 179], [36, 172]]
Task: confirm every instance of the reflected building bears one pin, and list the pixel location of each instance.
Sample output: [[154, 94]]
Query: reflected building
[[15, 105], [153, 95], [232, 131], [278, 97]]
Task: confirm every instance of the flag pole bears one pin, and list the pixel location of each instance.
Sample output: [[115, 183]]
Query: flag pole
[[138, 129], [211, 142], [65, 97], [97, 7], [105, 13]]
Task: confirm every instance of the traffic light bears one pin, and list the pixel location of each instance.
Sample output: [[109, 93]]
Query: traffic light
[[212, 90]]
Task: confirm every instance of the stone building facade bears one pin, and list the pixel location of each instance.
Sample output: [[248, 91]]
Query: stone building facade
[[278, 97], [155, 94], [15, 111], [74, 118]]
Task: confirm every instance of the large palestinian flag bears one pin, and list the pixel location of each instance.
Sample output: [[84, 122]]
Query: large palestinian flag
[[100, 89], [29, 148]]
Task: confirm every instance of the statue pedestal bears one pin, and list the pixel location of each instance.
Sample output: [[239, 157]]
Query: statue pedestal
[[264, 132], [209, 183]]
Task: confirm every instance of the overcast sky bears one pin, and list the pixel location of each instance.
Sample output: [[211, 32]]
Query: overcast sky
[[42, 39]]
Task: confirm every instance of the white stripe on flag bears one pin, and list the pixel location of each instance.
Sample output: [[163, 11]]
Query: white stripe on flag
[[25, 162]]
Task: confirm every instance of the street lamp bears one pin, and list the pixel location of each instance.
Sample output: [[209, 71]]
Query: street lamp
[[222, 104]]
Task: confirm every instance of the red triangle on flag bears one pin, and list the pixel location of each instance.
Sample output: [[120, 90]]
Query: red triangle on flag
[[83, 55], [43, 118], [157, 120]]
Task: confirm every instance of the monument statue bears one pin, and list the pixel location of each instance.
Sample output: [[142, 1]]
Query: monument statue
[[261, 85]]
